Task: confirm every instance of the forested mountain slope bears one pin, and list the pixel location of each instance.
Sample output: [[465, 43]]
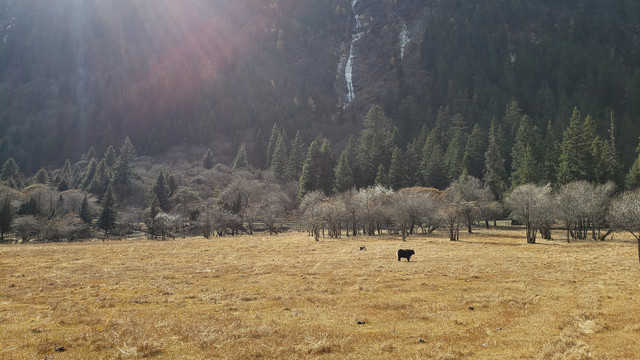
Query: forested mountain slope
[[81, 73]]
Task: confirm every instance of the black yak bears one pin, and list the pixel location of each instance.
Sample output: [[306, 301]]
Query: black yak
[[405, 253]]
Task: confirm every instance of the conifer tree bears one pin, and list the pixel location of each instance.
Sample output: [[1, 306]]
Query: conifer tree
[[123, 171], [208, 162], [474, 153], [161, 190], [427, 152], [6, 216], [436, 171], [64, 179], [327, 166], [41, 177], [396, 138], [91, 154], [576, 158], [84, 213], [309, 179], [279, 158], [172, 182], [89, 173], [11, 173], [633, 177], [551, 155], [275, 134], [110, 156], [412, 162], [494, 174], [108, 215], [525, 154], [454, 157], [382, 177], [241, 161], [374, 147], [296, 157], [397, 170], [343, 174], [101, 179]]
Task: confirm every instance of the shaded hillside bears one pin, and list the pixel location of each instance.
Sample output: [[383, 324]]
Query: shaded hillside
[[75, 74]]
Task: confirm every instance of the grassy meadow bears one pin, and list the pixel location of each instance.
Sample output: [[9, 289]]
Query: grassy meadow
[[489, 296]]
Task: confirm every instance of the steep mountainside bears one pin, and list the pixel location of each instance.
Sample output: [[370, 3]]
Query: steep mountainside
[[81, 73]]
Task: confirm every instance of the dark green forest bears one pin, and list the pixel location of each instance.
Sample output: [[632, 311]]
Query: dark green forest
[[77, 74]]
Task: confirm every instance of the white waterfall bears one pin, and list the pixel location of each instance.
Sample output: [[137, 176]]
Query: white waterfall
[[348, 69], [404, 39]]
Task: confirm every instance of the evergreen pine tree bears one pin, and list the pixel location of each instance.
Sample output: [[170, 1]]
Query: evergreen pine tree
[[296, 158], [275, 134], [91, 154], [551, 155], [64, 179], [427, 153], [41, 177], [633, 177], [576, 158], [241, 161], [110, 156], [101, 179], [172, 182], [89, 173], [327, 166], [309, 179], [108, 215], [123, 171], [374, 147], [398, 170], [208, 162], [474, 153], [382, 178], [525, 149], [436, 171], [412, 162], [10, 173], [454, 158], [279, 158], [162, 192], [396, 138], [494, 174], [6, 216], [343, 174], [84, 213]]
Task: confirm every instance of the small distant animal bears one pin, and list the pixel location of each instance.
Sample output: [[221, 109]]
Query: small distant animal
[[362, 248], [405, 253]]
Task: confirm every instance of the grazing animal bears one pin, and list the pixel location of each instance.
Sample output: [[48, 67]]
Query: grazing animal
[[363, 248], [405, 253]]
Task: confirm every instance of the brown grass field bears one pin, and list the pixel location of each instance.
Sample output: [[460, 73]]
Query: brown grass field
[[489, 296]]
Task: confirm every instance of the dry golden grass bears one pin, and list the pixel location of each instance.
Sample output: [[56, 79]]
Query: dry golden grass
[[489, 296]]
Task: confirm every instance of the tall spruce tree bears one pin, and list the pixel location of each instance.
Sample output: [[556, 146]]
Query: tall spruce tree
[[412, 162], [525, 154], [89, 173], [10, 173], [64, 179], [327, 166], [85, 213], [494, 174], [454, 157], [241, 161], [551, 155], [435, 173], [374, 147], [296, 157], [474, 154], [576, 158], [382, 177], [41, 177], [427, 153], [123, 171], [633, 177], [161, 190], [310, 177], [275, 134], [108, 214], [343, 174], [279, 158], [397, 170], [101, 179], [110, 156]]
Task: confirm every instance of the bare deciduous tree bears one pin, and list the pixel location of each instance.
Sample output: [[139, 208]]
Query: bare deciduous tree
[[624, 214], [533, 206]]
